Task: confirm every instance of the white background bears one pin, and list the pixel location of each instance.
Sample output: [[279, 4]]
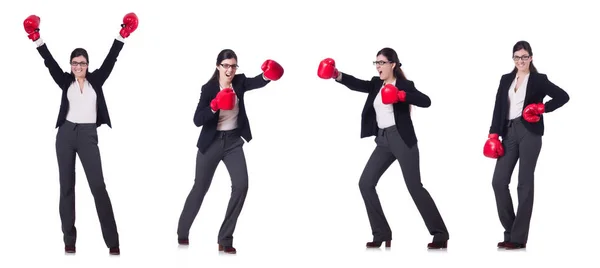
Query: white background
[[304, 206]]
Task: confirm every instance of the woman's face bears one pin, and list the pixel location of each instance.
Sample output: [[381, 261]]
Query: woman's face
[[79, 66], [227, 69], [522, 60], [385, 68]]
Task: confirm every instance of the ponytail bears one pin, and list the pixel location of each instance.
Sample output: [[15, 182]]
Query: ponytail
[[214, 77]]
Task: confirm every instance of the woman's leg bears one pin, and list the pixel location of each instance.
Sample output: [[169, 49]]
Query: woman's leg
[[529, 149], [235, 161], [206, 165], [381, 159], [66, 156], [411, 171], [89, 154], [505, 166]]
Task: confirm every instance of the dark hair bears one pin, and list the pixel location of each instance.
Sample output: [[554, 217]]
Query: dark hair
[[80, 52], [225, 54], [392, 56], [525, 45]]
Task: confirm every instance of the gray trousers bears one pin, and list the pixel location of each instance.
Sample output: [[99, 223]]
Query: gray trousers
[[226, 147], [524, 146], [391, 147], [82, 139]]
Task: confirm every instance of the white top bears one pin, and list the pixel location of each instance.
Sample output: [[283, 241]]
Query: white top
[[384, 112], [228, 118], [82, 103], [516, 99]]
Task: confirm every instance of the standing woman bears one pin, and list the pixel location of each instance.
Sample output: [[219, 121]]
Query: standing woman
[[386, 115], [222, 114], [82, 110], [518, 119]]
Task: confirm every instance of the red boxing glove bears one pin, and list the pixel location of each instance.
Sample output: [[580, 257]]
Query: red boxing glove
[[130, 24], [390, 94], [225, 100], [493, 147], [32, 27], [532, 112], [272, 70], [327, 69]]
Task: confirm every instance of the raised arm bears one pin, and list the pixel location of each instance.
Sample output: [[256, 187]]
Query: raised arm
[[108, 64], [272, 71], [327, 70], [255, 82], [404, 92], [414, 96], [354, 83], [130, 24], [32, 28]]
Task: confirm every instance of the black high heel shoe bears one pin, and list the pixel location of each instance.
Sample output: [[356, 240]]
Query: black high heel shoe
[[376, 244], [438, 245], [511, 245], [227, 249]]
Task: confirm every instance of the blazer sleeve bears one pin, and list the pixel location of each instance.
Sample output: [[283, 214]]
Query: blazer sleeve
[[101, 74], [354, 83], [204, 113], [558, 95], [258, 81], [60, 77], [496, 116], [414, 96]]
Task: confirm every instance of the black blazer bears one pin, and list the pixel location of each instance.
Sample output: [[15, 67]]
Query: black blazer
[[538, 87], [205, 117], [95, 78], [401, 109]]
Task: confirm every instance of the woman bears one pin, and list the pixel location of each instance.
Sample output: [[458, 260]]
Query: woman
[[222, 114], [82, 110], [518, 119], [386, 115]]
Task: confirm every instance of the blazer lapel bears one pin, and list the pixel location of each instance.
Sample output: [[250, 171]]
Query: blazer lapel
[[530, 87], [508, 83], [368, 108], [375, 90], [214, 88], [237, 87]]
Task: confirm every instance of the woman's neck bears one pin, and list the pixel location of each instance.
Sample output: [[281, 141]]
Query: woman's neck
[[522, 73], [390, 80], [224, 84]]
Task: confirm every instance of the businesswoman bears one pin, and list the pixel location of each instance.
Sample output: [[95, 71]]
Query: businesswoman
[[222, 115], [518, 119], [82, 110], [386, 116]]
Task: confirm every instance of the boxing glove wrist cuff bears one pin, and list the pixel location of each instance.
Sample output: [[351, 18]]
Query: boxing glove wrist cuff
[[120, 38], [39, 42], [493, 136]]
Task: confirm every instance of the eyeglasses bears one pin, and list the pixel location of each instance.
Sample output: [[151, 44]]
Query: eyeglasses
[[381, 63], [82, 64], [524, 57], [227, 66]]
